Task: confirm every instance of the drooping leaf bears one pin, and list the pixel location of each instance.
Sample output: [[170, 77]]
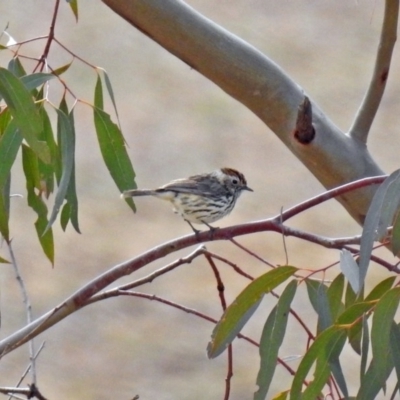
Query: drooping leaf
[[5, 118], [326, 343], [395, 350], [74, 7], [350, 269], [243, 307], [4, 261], [98, 94], [272, 338], [70, 209], [380, 289], [380, 212], [281, 395], [336, 369], [395, 243], [114, 152], [350, 296], [24, 112], [364, 346], [67, 146], [31, 171], [48, 171], [351, 314], [60, 70], [10, 143], [335, 295], [382, 320], [354, 333], [37, 79], [15, 66], [111, 94], [374, 380], [317, 293], [5, 209]]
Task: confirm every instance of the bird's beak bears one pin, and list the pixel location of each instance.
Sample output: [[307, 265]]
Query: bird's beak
[[247, 188]]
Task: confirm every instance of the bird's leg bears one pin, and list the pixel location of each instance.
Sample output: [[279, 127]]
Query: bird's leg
[[212, 229], [196, 231]]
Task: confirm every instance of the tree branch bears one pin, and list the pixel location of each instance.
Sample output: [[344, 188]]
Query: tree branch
[[369, 106], [262, 86], [82, 296]]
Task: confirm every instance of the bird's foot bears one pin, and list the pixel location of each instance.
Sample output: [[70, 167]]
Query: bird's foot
[[212, 229]]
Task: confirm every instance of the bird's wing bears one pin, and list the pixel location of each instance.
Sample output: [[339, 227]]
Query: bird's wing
[[195, 185]]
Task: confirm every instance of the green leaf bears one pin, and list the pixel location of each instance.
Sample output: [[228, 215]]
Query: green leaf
[[272, 338], [15, 66], [372, 382], [335, 295], [111, 94], [114, 152], [98, 94], [47, 171], [381, 326], [60, 70], [31, 171], [337, 371], [350, 269], [238, 313], [325, 346], [37, 79], [380, 212], [351, 314], [281, 395], [67, 146], [10, 143], [71, 207], [395, 242], [5, 209], [74, 7], [24, 112], [364, 347], [395, 350], [5, 118], [380, 289], [317, 293], [354, 333], [4, 261], [350, 296]]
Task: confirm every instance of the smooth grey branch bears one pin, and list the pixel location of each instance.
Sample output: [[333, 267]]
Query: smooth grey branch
[[369, 106]]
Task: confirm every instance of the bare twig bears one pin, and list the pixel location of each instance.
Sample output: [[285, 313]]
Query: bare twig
[[188, 310], [221, 289], [27, 369], [28, 308], [329, 194], [369, 106], [30, 392], [252, 253], [50, 37]]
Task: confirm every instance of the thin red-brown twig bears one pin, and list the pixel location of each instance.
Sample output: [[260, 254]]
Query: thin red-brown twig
[[221, 290]]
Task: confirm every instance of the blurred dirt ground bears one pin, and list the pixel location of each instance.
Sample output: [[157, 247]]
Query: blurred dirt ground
[[176, 124]]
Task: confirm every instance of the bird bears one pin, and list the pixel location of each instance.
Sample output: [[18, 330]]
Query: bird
[[200, 199]]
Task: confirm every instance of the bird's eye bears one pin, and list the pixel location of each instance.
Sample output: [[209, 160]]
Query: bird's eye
[[235, 181]]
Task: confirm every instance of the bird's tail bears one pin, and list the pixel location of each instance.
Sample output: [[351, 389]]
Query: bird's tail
[[137, 192]]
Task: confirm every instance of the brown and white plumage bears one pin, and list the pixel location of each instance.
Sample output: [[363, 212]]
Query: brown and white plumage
[[200, 199]]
